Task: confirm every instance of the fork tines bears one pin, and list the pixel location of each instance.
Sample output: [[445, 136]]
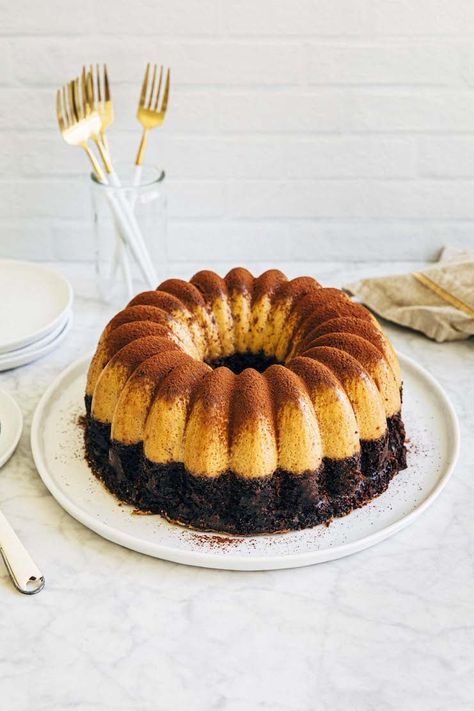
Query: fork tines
[[149, 96]]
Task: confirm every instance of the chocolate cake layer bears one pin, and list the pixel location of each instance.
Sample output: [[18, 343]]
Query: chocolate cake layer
[[233, 504], [238, 362]]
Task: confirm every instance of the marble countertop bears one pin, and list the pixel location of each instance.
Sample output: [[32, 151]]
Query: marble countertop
[[391, 628]]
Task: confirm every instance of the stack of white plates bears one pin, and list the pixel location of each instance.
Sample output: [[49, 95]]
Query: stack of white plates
[[35, 312]]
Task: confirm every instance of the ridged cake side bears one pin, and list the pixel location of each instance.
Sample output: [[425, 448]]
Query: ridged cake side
[[314, 435]]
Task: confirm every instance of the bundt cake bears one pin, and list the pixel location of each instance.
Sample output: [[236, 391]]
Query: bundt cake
[[244, 405]]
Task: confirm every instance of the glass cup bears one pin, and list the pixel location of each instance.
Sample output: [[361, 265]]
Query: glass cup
[[118, 274]]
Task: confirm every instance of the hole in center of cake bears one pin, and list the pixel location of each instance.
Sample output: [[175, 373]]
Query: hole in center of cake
[[237, 362]]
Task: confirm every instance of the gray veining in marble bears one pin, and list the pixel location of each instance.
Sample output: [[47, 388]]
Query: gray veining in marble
[[388, 629]]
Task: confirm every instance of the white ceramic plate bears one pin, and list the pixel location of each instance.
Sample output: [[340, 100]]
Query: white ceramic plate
[[36, 350], [31, 347], [432, 428], [34, 301], [11, 426]]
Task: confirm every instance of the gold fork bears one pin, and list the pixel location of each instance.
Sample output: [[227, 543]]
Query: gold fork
[[104, 101], [76, 128], [91, 108], [151, 111], [97, 99], [78, 124]]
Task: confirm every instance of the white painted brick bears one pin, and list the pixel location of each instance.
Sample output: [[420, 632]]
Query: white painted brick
[[442, 157], [468, 65], [321, 240], [376, 239], [275, 157], [418, 111], [57, 17], [287, 157], [28, 239], [5, 62], [281, 111], [44, 198], [328, 110], [238, 63], [26, 109], [50, 62], [46, 154], [156, 17], [297, 17], [423, 17], [382, 64], [197, 198], [9, 156], [73, 240], [352, 199], [228, 241]]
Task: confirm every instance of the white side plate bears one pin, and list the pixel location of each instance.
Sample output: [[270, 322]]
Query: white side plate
[[36, 350], [34, 300], [432, 429], [11, 426]]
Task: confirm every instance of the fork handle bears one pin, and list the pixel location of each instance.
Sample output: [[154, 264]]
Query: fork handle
[[25, 575], [95, 164], [141, 147], [129, 236], [137, 175], [135, 228]]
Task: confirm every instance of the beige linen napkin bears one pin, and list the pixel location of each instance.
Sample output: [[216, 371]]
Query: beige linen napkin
[[438, 301]]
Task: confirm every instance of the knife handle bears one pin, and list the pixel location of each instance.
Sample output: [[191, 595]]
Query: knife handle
[[26, 576]]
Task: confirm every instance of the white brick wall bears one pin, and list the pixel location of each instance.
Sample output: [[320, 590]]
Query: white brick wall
[[297, 129]]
